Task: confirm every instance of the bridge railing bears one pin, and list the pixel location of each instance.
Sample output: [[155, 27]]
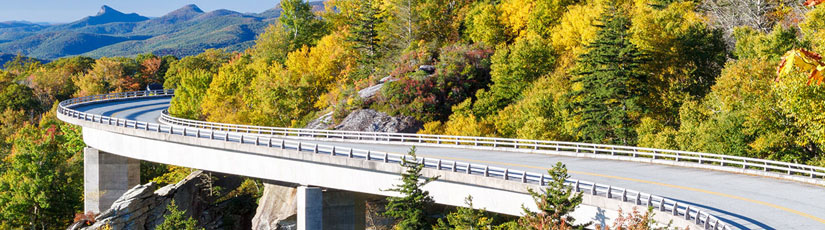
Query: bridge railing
[[679, 210], [796, 171]]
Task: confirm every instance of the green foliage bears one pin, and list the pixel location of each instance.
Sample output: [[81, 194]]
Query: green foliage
[[176, 220], [190, 93], [410, 208], [555, 203], [538, 114], [609, 84], [273, 44], [513, 69], [813, 28], [303, 26], [363, 33], [483, 25], [210, 60], [466, 218], [41, 182], [753, 44]]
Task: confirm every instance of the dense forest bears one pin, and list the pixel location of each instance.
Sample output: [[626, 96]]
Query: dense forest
[[676, 74]]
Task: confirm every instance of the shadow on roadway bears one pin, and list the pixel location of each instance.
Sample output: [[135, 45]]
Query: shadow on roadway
[[727, 220]]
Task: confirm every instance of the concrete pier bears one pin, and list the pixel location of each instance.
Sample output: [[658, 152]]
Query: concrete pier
[[344, 210], [310, 208], [106, 177]]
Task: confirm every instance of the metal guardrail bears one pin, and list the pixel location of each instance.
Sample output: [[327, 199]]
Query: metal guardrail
[[799, 171], [699, 217]]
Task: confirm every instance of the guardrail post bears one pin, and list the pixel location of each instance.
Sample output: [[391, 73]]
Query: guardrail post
[[315, 149], [368, 155], [675, 208], [454, 167], [593, 189], [662, 205], [576, 186], [687, 212], [332, 152], [212, 137], [654, 154], [350, 153], [226, 135], [299, 145], [439, 165], [677, 157], [386, 157], [486, 171], [541, 181], [475, 141], [609, 191], [638, 198], [524, 177], [506, 172], [269, 142], [707, 221], [283, 143], [469, 168], [715, 223], [536, 145], [257, 140], [649, 200], [184, 131], [698, 220], [624, 195]]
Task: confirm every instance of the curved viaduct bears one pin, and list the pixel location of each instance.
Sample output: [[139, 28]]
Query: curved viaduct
[[698, 190]]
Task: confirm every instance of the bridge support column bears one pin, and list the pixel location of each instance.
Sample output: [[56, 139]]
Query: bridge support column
[[344, 210], [106, 177], [310, 208]]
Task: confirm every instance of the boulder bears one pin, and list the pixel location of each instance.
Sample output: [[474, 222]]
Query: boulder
[[370, 92], [143, 207], [373, 121], [276, 209], [322, 122], [427, 68]]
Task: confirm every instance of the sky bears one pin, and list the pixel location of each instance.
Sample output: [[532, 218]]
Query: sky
[[61, 11]]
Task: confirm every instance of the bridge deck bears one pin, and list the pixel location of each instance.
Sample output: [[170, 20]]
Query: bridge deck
[[747, 202]]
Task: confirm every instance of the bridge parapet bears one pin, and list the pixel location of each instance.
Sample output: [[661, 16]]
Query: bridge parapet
[[454, 172]]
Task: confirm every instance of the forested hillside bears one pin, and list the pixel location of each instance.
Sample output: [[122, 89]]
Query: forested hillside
[[674, 74]]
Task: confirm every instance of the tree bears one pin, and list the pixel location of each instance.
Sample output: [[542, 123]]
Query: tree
[[513, 69], [410, 209], [401, 23], [302, 24], [609, 84], [210, 60], [363, 32], [273, 44], [555, 204], [103, 78], [190, 93], [483, 25], [176, 219], [41, 182], [467, 218]]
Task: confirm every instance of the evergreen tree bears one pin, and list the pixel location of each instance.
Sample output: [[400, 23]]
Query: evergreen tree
[[304, 26], [555, 204], [607, 102], [410, 208], [467, 218], [176, 219], [364, 34]]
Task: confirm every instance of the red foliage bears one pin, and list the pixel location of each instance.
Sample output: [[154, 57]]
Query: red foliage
[[813, 2], [88, 218]]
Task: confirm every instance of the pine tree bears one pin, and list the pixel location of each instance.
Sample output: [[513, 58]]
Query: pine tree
[[410, 208], [611, 83], [555, 204], [364, 34], [176, 220]]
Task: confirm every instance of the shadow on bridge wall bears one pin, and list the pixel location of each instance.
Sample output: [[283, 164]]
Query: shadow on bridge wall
[[727, 218]]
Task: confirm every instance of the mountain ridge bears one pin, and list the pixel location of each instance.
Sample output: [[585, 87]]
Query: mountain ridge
[[185, 31]]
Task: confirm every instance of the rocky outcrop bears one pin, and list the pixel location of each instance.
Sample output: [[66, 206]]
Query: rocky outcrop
[[322, 122], [144, 206], [370, 92], [373, 121], [277, 209]]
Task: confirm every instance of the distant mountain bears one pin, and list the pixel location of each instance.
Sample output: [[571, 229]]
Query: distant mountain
[[182, 32]]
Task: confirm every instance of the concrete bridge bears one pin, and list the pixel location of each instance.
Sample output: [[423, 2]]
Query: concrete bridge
[[699, 190]]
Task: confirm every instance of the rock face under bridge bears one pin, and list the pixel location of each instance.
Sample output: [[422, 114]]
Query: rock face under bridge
[[143, 207]]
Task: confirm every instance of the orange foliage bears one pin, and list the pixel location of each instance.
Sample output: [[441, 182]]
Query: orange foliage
[[88, 218], [813, 2], [805, 61]]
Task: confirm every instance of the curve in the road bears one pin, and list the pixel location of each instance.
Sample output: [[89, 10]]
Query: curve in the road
[[748, 202]]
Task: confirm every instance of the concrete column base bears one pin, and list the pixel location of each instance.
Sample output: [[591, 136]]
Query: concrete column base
[[344, 210], [106, 177], [310, 208]]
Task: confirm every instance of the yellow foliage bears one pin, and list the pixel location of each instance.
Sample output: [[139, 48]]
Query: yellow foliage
[[805, 61], [814, 28], [515, 14], [576, 28]]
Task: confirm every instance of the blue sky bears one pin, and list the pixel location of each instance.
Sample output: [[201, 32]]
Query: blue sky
[[71, 10]]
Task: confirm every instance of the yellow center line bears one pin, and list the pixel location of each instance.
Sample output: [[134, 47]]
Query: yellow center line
[[809, 216]]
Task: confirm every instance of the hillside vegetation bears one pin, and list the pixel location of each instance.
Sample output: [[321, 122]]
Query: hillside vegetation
[[674, 74]]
